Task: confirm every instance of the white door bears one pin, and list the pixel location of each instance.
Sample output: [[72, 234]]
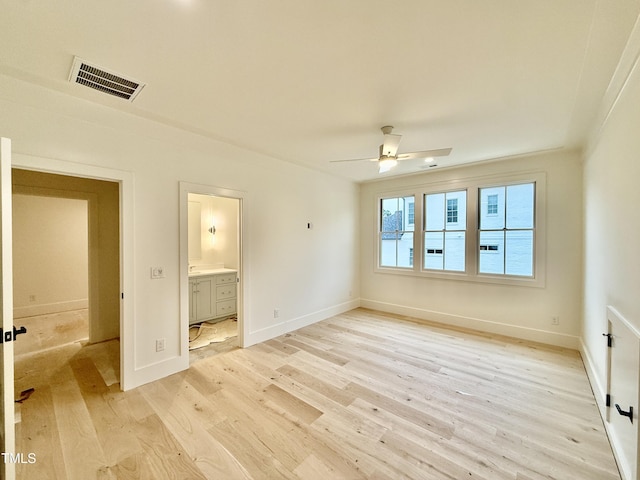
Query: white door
[[7, 413], [624, 374]]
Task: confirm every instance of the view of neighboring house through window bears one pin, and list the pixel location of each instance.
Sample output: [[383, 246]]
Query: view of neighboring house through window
[[445, 224], [396, 231], [492, 204], [506, 225], [423, 231], [452, 210]]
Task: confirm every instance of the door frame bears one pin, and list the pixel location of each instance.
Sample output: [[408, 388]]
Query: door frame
[[125, 181], [7, 409], [185, 189]]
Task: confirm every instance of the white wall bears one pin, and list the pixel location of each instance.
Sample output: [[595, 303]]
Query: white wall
[[612, 219], [611, 255], [307, 274], [521, 311], [50, 254], [220, 249]]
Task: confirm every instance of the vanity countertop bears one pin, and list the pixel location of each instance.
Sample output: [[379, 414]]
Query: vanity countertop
[[210, 271]]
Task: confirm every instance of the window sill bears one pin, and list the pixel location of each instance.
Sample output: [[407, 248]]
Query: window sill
[[508, 280]]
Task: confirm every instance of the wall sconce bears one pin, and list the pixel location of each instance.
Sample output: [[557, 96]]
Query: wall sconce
[[212, 230]]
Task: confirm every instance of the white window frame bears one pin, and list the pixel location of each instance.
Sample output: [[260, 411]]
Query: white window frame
[[408, 228], [445, 227], [472, 249]]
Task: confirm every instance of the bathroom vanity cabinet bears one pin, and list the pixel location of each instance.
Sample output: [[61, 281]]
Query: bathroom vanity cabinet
[[212, 294]]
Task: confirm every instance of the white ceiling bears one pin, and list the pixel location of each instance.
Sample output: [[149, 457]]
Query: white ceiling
[[310, 81]]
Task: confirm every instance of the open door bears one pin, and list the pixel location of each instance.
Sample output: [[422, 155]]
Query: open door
[[7, 412]]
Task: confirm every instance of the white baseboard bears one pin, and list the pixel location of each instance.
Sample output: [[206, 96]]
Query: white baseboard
[[524, 333], [264, 334], [599, 390], [156, 371], [48, 308]]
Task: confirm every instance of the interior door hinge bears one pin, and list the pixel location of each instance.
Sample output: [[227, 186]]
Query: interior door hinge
[[608, 400], [609, 339]]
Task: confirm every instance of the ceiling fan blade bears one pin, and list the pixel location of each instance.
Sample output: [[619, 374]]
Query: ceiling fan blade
[[390, 145], [440, 152], [355, 160]]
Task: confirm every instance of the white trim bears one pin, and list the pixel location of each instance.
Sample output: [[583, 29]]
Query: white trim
[[481, 325], [130, 377], [7, 423], [273, 331], [625, 68], [243, 276], [599, 390], [471, 185], [48, 308]]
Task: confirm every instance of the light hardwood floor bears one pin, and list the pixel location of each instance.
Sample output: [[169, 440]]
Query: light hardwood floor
[[360, 395]]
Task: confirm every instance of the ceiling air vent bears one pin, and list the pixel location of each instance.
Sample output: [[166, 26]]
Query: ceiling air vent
[[103, 80]]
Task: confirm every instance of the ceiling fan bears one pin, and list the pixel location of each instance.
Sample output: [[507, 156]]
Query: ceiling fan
[[389, 152]]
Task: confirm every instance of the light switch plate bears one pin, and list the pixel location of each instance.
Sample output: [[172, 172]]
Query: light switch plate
[[157, 272]]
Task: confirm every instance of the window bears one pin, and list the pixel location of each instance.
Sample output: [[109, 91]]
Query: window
[[396, 232], [508, 231], [444, 241], [452, 210], [488, 229], [411, 213], [492, 204]]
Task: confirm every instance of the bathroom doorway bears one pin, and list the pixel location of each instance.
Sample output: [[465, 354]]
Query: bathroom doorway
[[213, 229]]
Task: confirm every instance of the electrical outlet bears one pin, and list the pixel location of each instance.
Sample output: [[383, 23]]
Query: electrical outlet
[[157, 272], [32, 298], [160, 344], [276, 312], [555, 320]]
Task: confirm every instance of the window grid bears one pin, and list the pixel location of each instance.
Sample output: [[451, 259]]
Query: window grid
[[444, 231], [476, 249], [452, 210], [492, 205], [396, 232], [523, 265]]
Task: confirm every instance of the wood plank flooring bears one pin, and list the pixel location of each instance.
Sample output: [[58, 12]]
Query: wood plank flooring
[[52, 330], [360, 395]]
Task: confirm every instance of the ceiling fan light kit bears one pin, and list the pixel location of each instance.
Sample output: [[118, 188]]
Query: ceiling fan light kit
[[386, 163], [388, 157]]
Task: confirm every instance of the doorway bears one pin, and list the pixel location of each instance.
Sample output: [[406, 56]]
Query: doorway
[[211, 256], [67, 288], [50, 265]]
